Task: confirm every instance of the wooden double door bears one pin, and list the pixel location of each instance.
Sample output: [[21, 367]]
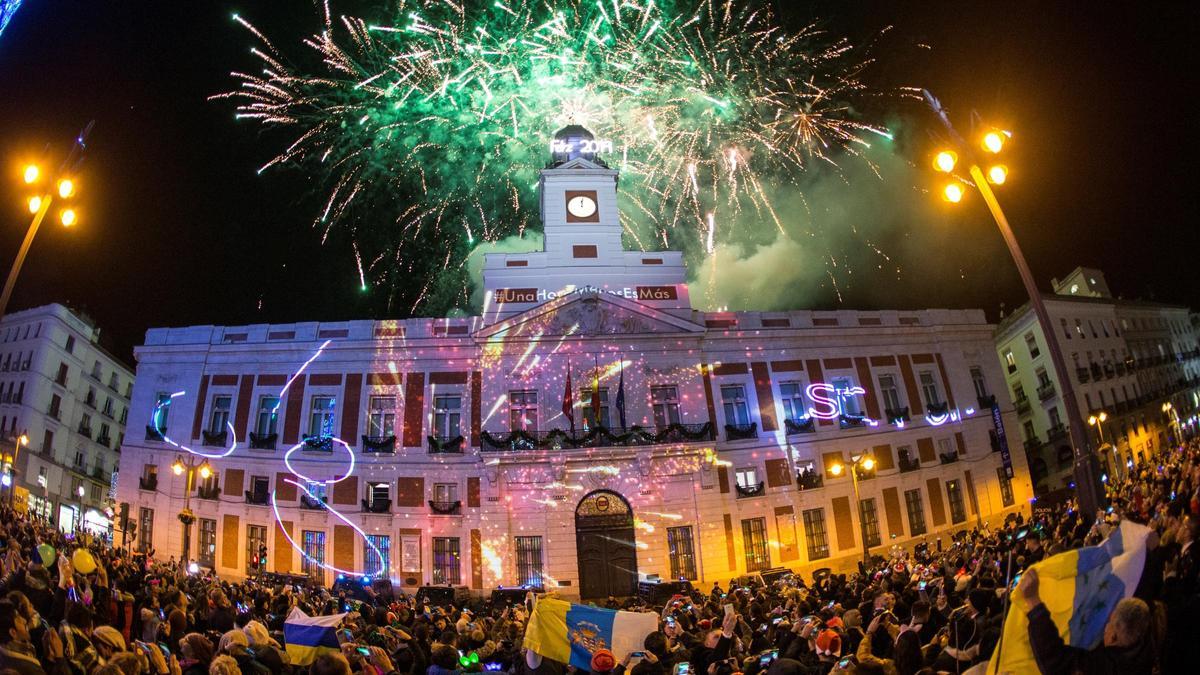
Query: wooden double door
[[606, 547]]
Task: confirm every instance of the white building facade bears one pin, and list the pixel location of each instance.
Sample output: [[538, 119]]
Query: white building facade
[[69, 398], [1127, 359], [588, 430]]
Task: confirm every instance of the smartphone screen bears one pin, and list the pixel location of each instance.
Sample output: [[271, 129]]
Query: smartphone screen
[[684, 668]]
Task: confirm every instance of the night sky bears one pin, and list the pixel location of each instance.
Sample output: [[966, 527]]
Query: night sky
[[178, 229]]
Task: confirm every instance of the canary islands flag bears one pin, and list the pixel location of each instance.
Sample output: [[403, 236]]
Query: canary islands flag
[[307, 636], [1079, 588], [569, 633]]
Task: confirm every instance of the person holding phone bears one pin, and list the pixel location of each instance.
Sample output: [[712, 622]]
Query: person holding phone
[[716, 645]]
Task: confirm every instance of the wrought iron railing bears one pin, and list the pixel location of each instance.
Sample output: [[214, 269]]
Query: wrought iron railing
[[439, 445], [212, 493], [851, 421], [307, 502], [985, 402], [1083, 374], [909, 464], [740, 432], [804, 425], [215, 438], [1046, 391], [937, 409], [1022, 405], [148, 483], [381, 505], [899, 415], [809, 480], [379, 444], [262, 441], [258, 498], [597, 437], [153, 433], [750, 490], [445, 508], [1057, 430], [320, 443], [948, 458]]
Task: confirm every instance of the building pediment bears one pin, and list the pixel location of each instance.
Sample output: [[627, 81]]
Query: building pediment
[[589, 313]]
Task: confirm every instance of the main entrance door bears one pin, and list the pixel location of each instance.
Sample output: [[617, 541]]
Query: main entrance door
[[605, 545]]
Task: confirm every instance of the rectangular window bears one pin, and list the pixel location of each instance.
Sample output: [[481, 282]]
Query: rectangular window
[[314, 554], [61, 378], [377, 564], [529, 561], [1055, 420], [145, 530], [747, 478], [1006, 493], [1010, 361], [108, 406], [319, 491], [70, 346], [666, 405], [96, 370], [320, 418], [445, 492], [523, 410], [377, 493], [848, 402], [1032, 345], [916, 512], [220, 413], [447, 417], [445, 560], [954, 495], [256, 545], [981, 388], [381, 422], [260, 486], [590, 420], [814, 534], [889, 392], [162, 412], [681, 552], [929, 388], [733, 399], [207, 553], [754, 539], [869, 518], [1066, 330], [791, 395], [1079, 329], [268, 416], [55, 410]]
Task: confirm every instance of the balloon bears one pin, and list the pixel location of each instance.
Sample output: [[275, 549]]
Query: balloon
[[47, 554], [83, 561]]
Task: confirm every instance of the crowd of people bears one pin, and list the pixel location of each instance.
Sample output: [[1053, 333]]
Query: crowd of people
[[936, 609]]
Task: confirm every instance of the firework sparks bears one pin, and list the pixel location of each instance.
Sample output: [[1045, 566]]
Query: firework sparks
[[442, 118]]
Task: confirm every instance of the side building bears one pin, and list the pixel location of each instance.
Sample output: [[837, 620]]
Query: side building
[[64, 401], [1135, 367], [588, 430]]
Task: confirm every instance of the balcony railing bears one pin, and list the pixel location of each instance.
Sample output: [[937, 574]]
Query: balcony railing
[[897, 416], [100, 474], [1057, 431], [212, 493], [909, 464], [307, 502], [445, 508], [1046, 391], [149, 483], [439, 445], [106, 441], [381, 505], [948, 458], [258, 498], [937, 409], [1083, 374], [1032, 444], [1022, 405], [262, 441], [153, 433], [215, 438], [597, 437], [741, 432], [985, 402], [804, 425], [809, 480], [851, 421], [86, 431], [379, 444], [750, 490], [320, 443]]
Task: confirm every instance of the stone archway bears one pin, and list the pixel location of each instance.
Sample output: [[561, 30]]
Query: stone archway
[[605, 546]]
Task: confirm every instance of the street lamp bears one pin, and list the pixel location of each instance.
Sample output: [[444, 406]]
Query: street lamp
[[192, 466], [1087, 472], [867, 462], [1098, 422], [10, 475], [1173, 415], [60, 186]]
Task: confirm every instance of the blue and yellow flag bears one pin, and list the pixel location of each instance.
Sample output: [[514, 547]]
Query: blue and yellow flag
[[307, 636], [1080, 588], [569, 633]]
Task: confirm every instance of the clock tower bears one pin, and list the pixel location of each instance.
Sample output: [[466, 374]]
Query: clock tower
[[579, 197]]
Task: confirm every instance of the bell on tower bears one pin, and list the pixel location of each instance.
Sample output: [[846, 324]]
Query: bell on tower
[[574, 141]]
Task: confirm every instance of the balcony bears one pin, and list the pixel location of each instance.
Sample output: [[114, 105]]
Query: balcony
[[98, 473], [985, 402], [851, 421], [598, 437], [215, 438], [1083, 375], [1032, 444], [746, 491], [897, 416], [212, 493], [148, 483], [85, 430], [79, 468], [106, 441], [1021, 403], [1057, 431], [948, 458], [994, 440], [319, 443], [154, 434], [445, 508], [1046, 391], [440, 445], [90, 402], [804, 425], [937, 409], [257, 498], [909, 464], [307, 502], [263, 441], [379, 444], [1096, 371], [741, 432], [809, 480], [1109, 371], [381, 505]]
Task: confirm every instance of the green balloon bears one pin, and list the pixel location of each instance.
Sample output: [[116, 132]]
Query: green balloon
[[47, 554]]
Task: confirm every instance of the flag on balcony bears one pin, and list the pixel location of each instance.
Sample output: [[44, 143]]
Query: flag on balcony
[[307, 637], [1079, 588], [596, 394], [568, 406], [621, 398], [569, 633]]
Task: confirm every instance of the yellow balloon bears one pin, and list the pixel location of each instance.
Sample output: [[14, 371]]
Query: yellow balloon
[[83, 561]]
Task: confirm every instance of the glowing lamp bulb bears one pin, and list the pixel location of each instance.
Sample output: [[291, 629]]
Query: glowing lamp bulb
[[997, 174], [953, 193], [31, 173], [6, 480], [868, 464], [66, 188], [193, 568], [993, 141], [80, 491], [177, 468], [35, 204], [205, 472], [945, 161], [1092, 420], [836, 469], [69, 217]]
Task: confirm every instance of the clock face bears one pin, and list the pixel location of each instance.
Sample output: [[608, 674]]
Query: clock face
[[581, 206]]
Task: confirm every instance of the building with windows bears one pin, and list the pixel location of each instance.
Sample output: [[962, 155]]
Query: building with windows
[[1127, 359], [587, 429], [69, 399]]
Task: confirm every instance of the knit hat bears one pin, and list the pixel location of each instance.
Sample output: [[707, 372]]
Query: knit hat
[[603, 661], [258, 635], [835, 622], [829, 643], [109, 636]]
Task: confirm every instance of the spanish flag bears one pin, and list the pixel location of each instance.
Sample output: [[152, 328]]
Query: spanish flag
[[569, 633], [1080, 588], [307, 637]]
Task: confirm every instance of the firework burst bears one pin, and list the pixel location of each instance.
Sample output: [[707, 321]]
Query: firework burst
[[427, 133]]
